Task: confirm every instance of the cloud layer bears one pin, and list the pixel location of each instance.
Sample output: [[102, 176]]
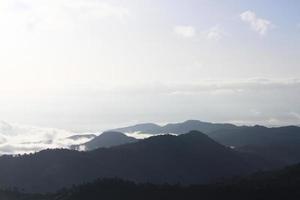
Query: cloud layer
[[22, 139], [19, 139]]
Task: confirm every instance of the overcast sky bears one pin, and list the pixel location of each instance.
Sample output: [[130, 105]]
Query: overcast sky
[[94, 65]]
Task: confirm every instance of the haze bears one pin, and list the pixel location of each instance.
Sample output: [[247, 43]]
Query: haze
[[88, 64]]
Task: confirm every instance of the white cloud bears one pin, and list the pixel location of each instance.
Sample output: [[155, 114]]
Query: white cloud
[[19, 139], [215, 33], [185, 31], [260, 25], [138, 135]]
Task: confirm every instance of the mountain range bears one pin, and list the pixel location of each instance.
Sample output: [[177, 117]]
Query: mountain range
[[275, 185], [280, 143], [223, 152], [188, 158], [176, 128]]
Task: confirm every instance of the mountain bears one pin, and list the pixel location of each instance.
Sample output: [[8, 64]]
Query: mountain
[[275, 185], [282, 143], [14, 195], [106, 139], [205, 127], [177, 128], [188, 158]]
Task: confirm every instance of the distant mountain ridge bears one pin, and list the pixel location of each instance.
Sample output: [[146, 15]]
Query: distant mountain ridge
[[259, 135], [177, 128], [106, 139], [280, 143], [188, 158]]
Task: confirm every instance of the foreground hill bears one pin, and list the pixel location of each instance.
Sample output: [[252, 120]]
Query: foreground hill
[[275, 185], [177, 128], [188, 158], [282, 143], [15, 194], [106, 139]]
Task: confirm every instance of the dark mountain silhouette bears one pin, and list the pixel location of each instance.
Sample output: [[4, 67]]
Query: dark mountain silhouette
[[188, 158], [282, 144], [14, 195], [275, 185], [106, 139], [177, 128]]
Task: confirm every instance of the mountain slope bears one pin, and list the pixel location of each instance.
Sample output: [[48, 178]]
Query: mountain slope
[[188, 158], [275, 185], [282, 144], [106, 139], [177, 128], [16, 195]]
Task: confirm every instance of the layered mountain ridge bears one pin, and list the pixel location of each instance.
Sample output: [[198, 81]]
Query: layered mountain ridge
[[188, 158]]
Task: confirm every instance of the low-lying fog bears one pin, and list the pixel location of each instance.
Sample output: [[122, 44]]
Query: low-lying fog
[[20, 139]]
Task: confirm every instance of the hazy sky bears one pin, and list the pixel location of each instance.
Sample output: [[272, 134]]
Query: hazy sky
[[92, 64]]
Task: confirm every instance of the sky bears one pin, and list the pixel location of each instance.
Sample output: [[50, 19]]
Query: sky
[[90, 65]]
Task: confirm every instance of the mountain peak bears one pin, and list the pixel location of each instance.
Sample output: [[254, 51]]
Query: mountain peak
[[108, 139], [176, 128], [193, 140], [194, 121], [194, 133], [112, 134]]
